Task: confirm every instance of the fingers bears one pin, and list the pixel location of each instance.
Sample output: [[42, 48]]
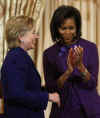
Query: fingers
[[75, 56], [59, 104], [69, 59], [57, 99], [68, 62], [78, 50], [78, 53], [70, 55], [54, 97], [71, 52]]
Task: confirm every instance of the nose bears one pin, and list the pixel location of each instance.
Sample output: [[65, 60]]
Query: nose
[[67, 31], [36, 36]]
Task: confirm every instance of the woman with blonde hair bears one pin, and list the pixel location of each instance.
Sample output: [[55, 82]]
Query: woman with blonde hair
[[21, 81]]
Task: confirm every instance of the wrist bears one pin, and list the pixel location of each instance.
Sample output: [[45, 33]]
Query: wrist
[[81, 67], [50, 96], [85, 74], [69, 71]]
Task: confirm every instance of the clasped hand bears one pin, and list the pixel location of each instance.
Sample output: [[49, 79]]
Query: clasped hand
[[75, 58]]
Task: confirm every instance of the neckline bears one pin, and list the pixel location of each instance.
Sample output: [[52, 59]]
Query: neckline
[[17, 48], [61, 44]]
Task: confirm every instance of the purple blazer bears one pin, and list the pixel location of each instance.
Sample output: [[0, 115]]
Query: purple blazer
[[21, 82], [55, 64]]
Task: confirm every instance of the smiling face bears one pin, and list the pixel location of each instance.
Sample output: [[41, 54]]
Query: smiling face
[[28, 41], [68, 30]]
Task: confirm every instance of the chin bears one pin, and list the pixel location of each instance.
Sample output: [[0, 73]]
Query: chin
[[33, 46], [68, 41], [30, 48]]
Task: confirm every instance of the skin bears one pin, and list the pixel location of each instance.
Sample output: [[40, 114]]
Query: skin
[[68, 30], [28, 41]]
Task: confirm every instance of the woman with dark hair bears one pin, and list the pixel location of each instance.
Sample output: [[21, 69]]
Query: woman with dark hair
[[71, 67]]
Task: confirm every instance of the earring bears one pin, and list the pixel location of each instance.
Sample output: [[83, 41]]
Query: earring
[[22, 41], [74, 35]]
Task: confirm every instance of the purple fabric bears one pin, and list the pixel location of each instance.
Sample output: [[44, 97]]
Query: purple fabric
[[21, 84], [75, 114], [73, 100], [2, 116], [75, 92]]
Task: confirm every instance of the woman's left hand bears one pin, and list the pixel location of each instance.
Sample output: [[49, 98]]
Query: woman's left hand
[[78, 56], [78, 60]]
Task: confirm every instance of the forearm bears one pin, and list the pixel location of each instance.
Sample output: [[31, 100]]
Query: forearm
[[29, 99], [61, 80], [84, 72]]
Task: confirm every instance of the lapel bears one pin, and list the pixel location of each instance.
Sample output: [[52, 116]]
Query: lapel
[[61, 59]]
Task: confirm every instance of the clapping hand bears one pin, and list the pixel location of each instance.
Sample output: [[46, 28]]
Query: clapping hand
[[78, 55], [75, 57], [70, 62]]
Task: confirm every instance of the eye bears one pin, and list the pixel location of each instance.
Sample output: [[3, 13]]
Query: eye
[[34, 32], [71, 27], [63, 28]]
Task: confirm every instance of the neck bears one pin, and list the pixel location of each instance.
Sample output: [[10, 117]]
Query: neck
[[69, 43], [21, 46]]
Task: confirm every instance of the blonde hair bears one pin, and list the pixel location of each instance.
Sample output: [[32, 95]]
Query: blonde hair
[[17, 26]]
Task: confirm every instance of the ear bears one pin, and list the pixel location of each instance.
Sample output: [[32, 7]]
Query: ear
[[74, 34], [59, 30], [20, 38]]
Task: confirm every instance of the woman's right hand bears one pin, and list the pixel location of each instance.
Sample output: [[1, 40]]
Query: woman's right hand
[[70, 61], [55, 98]]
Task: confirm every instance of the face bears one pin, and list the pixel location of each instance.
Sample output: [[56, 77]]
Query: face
[[28, 41], [68, 30]]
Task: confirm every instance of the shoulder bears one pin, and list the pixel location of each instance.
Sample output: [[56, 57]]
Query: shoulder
[[52, 50], [15, 56], [87, 43]]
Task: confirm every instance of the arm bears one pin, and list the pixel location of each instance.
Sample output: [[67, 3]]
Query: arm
[[84, 73], [93, 68], [54, 81], [64, 77], [90, 74], [49, 75], [17, 93]]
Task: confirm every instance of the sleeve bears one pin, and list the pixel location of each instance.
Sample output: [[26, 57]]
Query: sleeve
[[1, 91], [17, 92], [93, 68], [49, 74]]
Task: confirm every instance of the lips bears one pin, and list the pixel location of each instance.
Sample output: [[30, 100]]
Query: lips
[[68, 39], [67, 36]]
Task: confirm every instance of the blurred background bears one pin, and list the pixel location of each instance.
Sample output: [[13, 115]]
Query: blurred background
[[41, 11]]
